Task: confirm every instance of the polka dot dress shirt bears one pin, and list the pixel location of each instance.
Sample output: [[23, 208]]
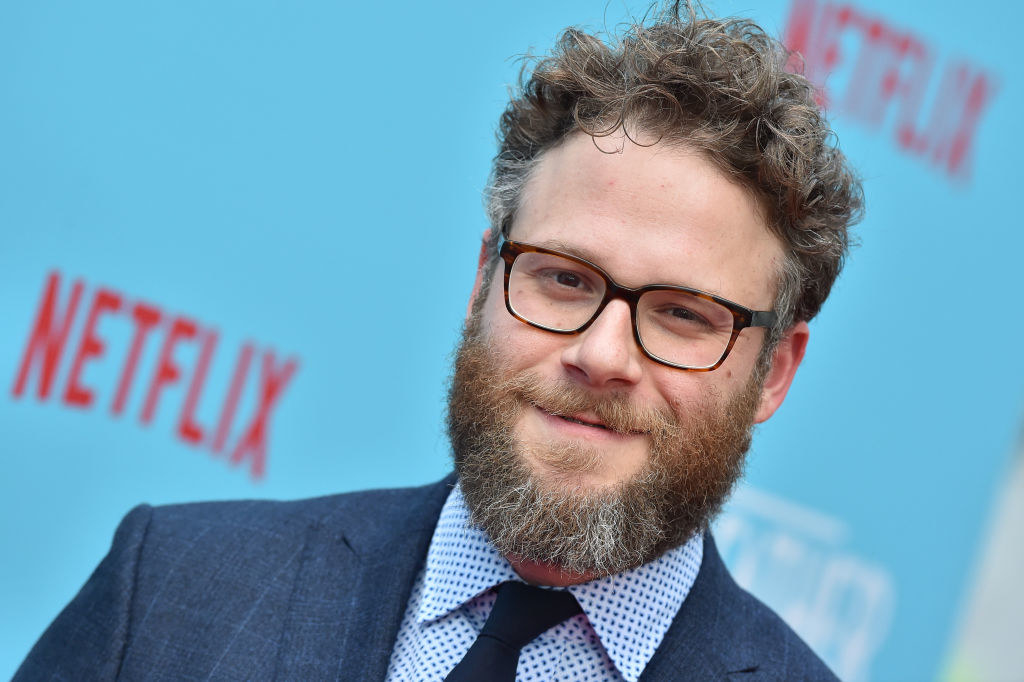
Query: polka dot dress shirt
[[624, 619]]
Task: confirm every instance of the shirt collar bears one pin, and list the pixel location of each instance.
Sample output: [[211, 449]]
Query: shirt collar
[[630, 611]]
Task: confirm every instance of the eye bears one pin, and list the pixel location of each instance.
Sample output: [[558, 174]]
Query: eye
[[565, 279], [566, 284], [687, 315], [555, 277], [682, 315], [568, 279]]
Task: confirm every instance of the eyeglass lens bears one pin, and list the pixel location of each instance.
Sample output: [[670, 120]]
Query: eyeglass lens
[[674, 326]]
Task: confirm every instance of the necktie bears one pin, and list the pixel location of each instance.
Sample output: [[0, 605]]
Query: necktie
[[521, 613]]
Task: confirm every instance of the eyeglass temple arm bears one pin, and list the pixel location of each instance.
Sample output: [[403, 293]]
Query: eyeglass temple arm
[[763, 318]]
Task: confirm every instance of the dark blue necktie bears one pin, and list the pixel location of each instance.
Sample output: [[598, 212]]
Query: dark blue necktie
[[520, 614]]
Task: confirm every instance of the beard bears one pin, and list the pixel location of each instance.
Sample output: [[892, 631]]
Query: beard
[[692, 464]]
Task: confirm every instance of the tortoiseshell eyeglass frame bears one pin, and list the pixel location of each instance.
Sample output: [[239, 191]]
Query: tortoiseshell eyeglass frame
[[742, 316]]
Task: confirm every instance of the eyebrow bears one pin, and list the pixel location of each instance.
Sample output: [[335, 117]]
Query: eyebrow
[[578, 251]]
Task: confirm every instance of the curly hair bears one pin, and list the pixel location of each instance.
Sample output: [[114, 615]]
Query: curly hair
[[719, 86]]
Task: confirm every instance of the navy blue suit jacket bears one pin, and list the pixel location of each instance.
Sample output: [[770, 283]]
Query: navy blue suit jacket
[[316, 589]]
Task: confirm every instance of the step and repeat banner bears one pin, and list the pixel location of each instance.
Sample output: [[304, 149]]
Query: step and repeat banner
[[237, 240]]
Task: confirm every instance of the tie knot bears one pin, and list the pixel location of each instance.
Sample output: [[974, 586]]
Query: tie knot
[[522, 612]]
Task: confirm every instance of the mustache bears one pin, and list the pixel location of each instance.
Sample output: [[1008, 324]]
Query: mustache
[[616, 411]]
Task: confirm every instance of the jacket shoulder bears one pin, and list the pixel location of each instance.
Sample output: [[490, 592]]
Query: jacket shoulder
[[722, 631], [360, 513], [781, 651], [185, 584]]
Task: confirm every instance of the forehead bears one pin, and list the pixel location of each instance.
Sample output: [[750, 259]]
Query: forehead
[[655, 214]]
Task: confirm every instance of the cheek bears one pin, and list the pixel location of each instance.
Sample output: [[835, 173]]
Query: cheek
[[681, 391], [519, 344], [687, 393], [738, 367]]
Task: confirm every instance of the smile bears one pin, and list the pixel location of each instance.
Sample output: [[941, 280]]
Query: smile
[[582, 426], [580, 421]]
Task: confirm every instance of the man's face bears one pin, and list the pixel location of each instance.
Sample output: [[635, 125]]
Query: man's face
[[645, 450]]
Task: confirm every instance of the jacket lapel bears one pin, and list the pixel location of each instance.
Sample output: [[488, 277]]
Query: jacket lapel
[[356, 573], [700, 644], [354, 581]]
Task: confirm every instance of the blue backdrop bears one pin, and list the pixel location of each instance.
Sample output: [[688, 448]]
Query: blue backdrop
[[243, 195]]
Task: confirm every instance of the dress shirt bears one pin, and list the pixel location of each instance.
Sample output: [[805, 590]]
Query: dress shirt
[[625, 616]]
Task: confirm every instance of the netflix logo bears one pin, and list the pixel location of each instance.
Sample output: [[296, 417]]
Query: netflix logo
[[890, 78], [170, 336]]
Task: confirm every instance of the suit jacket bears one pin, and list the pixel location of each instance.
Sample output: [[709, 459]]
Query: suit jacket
[[316, 589]]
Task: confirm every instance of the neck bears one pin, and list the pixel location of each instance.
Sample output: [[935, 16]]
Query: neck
[[552, 575]]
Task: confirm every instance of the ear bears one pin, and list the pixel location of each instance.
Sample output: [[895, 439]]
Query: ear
[[785, 360], [481, 262]]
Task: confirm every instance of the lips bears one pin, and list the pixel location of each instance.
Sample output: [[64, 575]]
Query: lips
[[587, 419], [578, 418], [581, 420]]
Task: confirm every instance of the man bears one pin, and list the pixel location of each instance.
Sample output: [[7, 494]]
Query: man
[[667, 213]]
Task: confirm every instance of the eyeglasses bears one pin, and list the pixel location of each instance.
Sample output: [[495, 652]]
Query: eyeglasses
[[677, 326]]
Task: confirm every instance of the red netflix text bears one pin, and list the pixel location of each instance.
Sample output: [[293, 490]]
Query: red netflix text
[[892, 74], [48, 339]]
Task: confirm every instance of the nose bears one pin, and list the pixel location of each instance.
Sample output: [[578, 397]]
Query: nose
[[606, 355]]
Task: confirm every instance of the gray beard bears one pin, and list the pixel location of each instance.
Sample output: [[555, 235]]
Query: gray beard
[[600, 532], [548, 518]]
